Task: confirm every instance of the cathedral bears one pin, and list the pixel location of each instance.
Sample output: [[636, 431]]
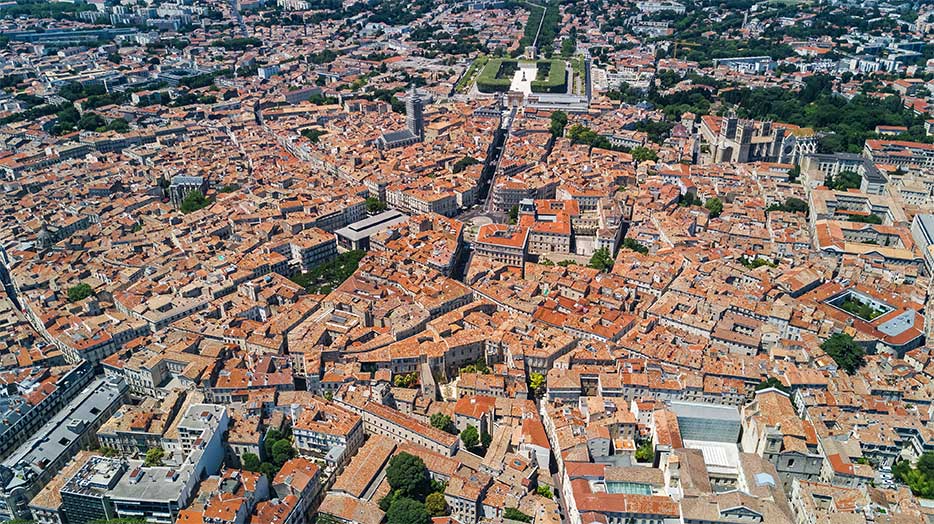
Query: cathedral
[[734, 140]]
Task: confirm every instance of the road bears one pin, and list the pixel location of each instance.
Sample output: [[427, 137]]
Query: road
[[235, 9], [489, 179], [507, 126], [540, 22], [7, 281]]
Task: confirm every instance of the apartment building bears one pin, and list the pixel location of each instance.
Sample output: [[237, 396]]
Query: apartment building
[[31, 465], [907, 155], [383, 420], [503, 244]]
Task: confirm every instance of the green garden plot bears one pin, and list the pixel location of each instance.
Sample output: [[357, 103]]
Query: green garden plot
[[496, 76]]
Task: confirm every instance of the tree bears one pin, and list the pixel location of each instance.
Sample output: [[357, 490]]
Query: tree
[[849, 355], [641, 154], [790, 205], [194, 201], [689, 199], [772, 382], [793, 174], [79, 292], [635, 245], [919, 479], [515, 514], [408, 476], [464, 163], [325, 518], [537, 383], [313, 135], [154, 457], [90, 121], [407, 380], [513, 214], [375, 205], [926, 464], [407, 511], [282, 451], [443, 422], [559, 119], [843, 181], [272, 436], [715, 206], [485, 440], [470, 437], [119, 125], [436, 505], [268, 469], [601, 260], [544, 491], [251, 462], [645, 452]]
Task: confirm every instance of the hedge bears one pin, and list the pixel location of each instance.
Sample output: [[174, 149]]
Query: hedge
[[489, 80], [496, 76], [556, 81]]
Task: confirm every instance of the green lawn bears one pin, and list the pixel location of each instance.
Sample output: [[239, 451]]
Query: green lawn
[[493, 77], [552, 77], [496, 76], [464, 83]]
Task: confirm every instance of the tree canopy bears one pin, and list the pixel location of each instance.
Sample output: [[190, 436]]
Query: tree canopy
[[772, 382], [443, 422], [537, 383], [715, 206], [407, 511], [470, 437], [194, 201], [154, 457], [559, 119], [601, 259], [849, 355], [436, 505], [79, 292], [408, 476], [920, 479]]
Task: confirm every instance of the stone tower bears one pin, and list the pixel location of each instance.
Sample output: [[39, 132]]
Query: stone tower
[[414, 117]]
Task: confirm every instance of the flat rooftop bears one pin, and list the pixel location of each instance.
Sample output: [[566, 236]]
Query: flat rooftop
[[66, 426], [705, 411], [370, 226], [721, 458]]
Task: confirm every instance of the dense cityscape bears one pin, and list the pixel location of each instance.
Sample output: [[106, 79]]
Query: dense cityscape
[[491, 261]]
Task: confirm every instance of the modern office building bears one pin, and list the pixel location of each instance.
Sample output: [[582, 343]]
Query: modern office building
[[357, 235], [708, 422], [84, 496], [106, 488]]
